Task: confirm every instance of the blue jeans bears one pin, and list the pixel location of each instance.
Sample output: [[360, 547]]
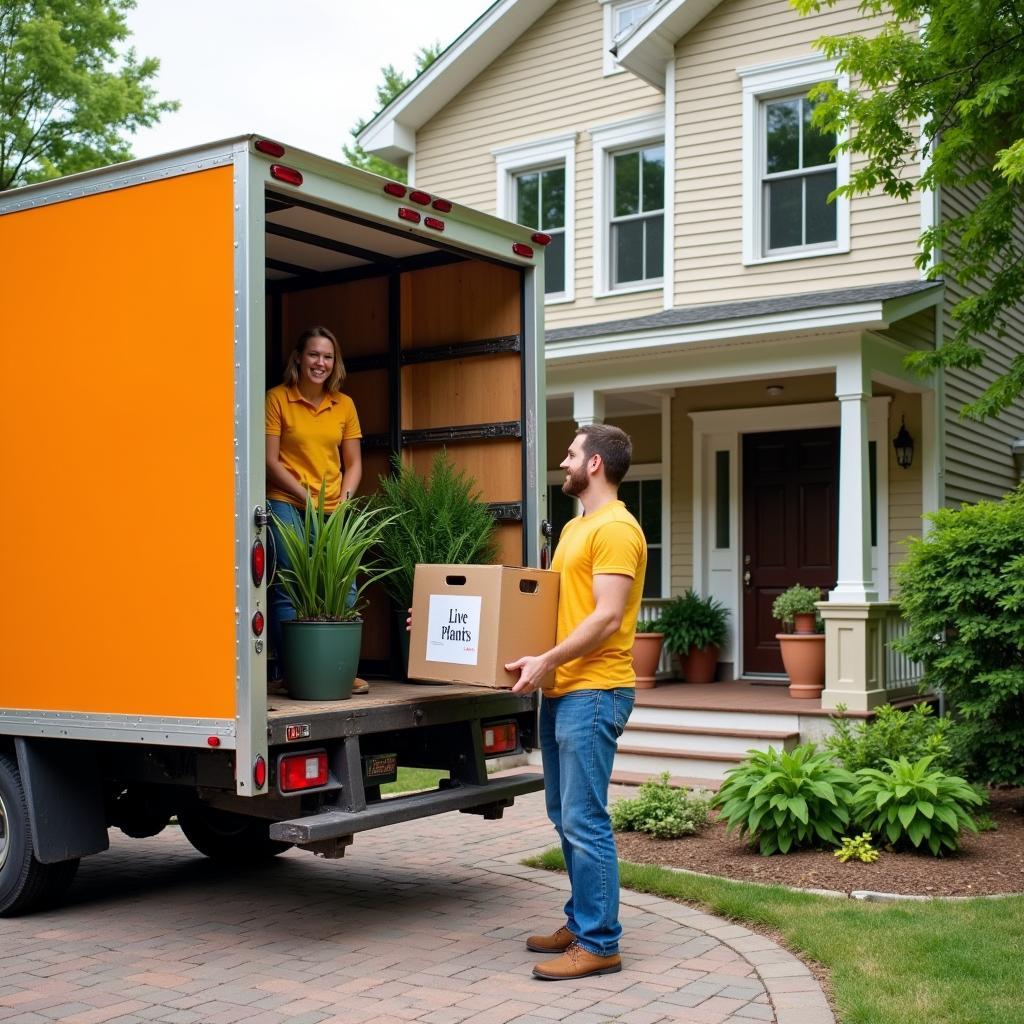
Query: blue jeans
[[578, 736], [278, 605]]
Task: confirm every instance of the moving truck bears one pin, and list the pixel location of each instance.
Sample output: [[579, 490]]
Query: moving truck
[[146, 308]]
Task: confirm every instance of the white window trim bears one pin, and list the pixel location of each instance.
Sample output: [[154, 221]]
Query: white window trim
[[637, 131], [611, 65], [761, 82], [537, 155]]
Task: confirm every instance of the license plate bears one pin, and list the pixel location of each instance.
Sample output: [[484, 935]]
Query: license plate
[[380, 768]]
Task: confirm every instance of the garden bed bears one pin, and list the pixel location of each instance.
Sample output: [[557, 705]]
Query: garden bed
[[988, 863]]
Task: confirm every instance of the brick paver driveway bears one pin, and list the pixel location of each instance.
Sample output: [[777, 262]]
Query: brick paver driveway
[[420, 922]]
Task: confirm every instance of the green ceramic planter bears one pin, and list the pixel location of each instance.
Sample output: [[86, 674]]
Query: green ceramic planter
[[321, 659]]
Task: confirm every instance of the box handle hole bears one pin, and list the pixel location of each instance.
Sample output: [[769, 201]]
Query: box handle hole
[[455, 581], [528, 586]]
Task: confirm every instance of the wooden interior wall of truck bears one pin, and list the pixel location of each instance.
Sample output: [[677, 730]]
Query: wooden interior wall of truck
[[434, 361]]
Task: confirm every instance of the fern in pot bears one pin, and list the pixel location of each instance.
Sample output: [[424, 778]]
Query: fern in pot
[[438, 519], [695, 628], [331, 565]]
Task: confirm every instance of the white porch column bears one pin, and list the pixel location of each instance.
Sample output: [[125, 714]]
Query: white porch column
[[855, 583], [587, 407]]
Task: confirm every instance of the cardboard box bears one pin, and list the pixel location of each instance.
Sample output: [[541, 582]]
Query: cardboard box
[[469, 620]]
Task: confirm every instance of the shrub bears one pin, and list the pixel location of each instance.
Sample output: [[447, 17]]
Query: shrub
[[962, 593], [892, 733], [690, 620], [787, 800], [913, 804], [856, 848], [797, 600], [662, 811], [648, 625]]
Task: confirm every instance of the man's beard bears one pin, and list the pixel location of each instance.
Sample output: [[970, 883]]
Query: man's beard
[[575, 482]]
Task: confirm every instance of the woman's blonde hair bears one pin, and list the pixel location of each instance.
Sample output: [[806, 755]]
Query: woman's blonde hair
[[291, 369]]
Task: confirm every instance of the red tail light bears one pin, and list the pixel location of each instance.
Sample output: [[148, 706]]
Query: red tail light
[[420, 197], [307, 770], [258, 623], [522, 249], [393, 188], [259, 562], [270, 148], [442, 206], [285, 174], [500, 738], [259, 772], [411, 215], [540, 238], [433, 222]]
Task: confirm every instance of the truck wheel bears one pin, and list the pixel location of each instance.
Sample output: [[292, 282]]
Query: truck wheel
[[25, 884], [224, 836]]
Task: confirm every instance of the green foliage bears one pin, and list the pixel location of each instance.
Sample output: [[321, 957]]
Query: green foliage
[[329, 555], [690, 620], [961, 590], [913, 805], [856, 848], [787, 800], [957, 69], [797, 600], [892, 733], [393, 83], [648, 625], [69, 89], [440, 520], [662, 811]]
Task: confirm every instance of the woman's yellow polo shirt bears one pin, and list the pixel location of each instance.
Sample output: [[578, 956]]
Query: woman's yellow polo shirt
[[310, 439]]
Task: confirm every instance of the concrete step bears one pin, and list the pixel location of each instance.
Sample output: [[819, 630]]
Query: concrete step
[[726, 741], [750, 721], [696, 764], [622, 778]]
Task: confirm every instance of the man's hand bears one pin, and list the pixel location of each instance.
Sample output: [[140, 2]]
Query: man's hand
[[532, 671]]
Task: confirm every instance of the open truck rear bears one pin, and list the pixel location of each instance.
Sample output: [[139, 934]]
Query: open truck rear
[[146, 309]]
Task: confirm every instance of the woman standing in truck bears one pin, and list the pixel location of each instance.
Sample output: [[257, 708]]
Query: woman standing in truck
[[312, 439]]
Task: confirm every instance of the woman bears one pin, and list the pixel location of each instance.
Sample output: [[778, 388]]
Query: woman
[[312, 438]]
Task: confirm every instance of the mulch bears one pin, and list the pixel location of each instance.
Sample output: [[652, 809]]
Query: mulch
[[988, 863]]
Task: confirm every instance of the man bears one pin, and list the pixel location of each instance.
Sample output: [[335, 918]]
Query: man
[[601, 558]]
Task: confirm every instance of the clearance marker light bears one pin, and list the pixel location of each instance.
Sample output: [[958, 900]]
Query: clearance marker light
[[522, 249], [259, 562], [433, 222], [270, 148], [442, 206], [411, 215], [259, 772], [286, 174], [422, 198], [394, 189], [540, 238], [213, 741], [257, 623]]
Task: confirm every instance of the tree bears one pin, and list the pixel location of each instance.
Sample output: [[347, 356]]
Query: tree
[[944, 79], [67, 95], [393, 83]]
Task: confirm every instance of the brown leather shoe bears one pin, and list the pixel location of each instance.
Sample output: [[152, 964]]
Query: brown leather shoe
[[576, 962], [557, 942], [360, 686]]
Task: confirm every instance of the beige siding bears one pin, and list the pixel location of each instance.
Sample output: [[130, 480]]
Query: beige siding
[[904, 484], [978, 461], [549, 82], [709, 142]]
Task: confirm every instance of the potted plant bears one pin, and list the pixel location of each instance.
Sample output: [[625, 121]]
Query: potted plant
[[695, 629], [435, 520], [803, 646], [647, 644], [330, 570]]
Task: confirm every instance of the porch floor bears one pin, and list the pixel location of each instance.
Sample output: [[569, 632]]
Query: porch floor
[[728, 695]]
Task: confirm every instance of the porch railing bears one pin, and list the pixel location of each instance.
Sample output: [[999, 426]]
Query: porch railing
[[900, 672], [650, 608]]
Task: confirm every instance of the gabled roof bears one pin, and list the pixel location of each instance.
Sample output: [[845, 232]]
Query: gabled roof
[[392, 133], [648, 48]]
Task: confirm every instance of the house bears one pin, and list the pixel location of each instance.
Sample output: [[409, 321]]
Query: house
[[702, 293]]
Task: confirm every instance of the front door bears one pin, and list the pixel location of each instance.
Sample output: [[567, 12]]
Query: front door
[[790, 529]]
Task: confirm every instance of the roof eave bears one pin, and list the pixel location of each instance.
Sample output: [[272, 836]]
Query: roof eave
[[647, 51]]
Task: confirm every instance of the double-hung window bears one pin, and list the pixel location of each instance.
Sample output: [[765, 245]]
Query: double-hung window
[[638, 216], [790, 168], [540, 204]]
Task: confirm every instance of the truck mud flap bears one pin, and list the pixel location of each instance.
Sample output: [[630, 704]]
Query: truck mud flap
[[487, 800]]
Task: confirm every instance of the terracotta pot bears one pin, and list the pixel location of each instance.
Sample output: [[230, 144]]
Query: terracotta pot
[[700, 663], [803, 656], [646, 655], [804, 622]]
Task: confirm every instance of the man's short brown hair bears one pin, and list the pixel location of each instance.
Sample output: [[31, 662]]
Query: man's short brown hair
[[612, 444]]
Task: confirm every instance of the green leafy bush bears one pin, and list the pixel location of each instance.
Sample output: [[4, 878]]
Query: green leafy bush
[[690, 620], [913, 805], [892, 733], [962, 594], [784, 801], [797, 600], [663, 811], [648, 625], [856, 848]]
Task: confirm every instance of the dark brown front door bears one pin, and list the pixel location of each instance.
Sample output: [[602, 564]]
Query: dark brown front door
[[790, 529]]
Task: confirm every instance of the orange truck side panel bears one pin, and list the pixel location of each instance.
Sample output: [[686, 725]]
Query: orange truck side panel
[[116, 351]]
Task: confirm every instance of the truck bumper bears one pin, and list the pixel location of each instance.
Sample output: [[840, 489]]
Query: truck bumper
[[489, 800]]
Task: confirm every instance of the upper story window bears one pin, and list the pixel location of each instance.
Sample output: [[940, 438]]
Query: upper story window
[[619, 18], [799, 174], [789, 169], [535, 187], [540, 204], [638, 216]]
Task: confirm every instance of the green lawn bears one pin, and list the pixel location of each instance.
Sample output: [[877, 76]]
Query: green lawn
[[411, 779], [941, 962]]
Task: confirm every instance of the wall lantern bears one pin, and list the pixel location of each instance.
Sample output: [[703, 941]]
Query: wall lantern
[[904, 445], [1018, 456]]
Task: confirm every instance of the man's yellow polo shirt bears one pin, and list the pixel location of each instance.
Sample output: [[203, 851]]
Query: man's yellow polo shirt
[[310, 439], [606, 541]]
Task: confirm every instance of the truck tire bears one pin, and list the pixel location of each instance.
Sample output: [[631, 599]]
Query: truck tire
[[224, 836], [25, 884]]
